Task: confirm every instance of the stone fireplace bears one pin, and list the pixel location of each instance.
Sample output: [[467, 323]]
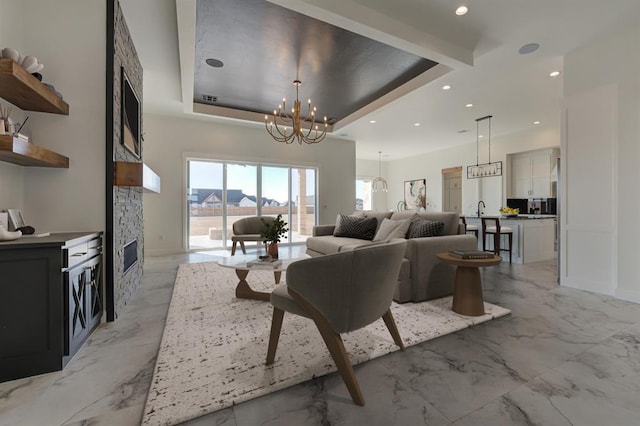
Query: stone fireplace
[[124, 240]]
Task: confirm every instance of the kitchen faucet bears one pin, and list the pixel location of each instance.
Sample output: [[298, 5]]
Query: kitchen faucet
[[479, 212]]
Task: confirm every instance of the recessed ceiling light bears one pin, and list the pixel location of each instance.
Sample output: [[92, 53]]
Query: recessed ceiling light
[[469, 105], [462, 10], [216, 63], [554, 73], [372, 121], [416, 124], [528, 48], [446, 87], [480, 136], [536, 122]]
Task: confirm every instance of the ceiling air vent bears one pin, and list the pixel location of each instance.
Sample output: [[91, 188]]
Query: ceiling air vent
[[210, 99]]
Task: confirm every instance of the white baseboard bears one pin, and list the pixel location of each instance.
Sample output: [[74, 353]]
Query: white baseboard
[[628, 295]]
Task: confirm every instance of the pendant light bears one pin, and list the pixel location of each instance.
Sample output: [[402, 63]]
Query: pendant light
[[489, 169], [379, 181]]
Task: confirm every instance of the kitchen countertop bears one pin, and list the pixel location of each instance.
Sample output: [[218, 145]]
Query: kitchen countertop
[[519, 217], [52, 240]]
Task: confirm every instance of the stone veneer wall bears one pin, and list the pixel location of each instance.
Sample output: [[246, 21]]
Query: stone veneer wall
[[127, 217]]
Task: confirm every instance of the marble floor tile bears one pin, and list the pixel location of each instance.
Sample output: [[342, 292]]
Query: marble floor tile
[[326, 400], [454, 375], [563, 357]]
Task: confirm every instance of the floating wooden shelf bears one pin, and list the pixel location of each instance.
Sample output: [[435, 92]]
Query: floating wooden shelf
[[17, 151], [26, 92], [135, 174]]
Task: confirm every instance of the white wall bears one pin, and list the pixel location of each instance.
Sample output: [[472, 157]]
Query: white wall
[[11, 176], [602, 138], [73, 52], [168, 140], [430, 166]]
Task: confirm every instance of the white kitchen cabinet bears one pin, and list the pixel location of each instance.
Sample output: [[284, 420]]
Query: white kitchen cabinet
[[531, 173]]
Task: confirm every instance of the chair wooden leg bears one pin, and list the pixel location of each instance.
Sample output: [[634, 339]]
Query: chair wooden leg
[[510, 246], [336, 348], [274, 337], [233, 248], [496, 244], [391, 325], [484, 241], [244, 250]]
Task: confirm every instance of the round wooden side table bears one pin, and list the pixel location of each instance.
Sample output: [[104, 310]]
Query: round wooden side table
[[467, 286]]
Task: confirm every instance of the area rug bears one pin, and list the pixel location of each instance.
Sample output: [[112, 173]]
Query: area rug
[[214, 346]]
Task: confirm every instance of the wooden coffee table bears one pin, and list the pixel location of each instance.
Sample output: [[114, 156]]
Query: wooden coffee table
[[239, 264], [467, 286]]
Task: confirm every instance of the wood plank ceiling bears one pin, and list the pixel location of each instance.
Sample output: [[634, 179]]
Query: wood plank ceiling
[[264, 48]]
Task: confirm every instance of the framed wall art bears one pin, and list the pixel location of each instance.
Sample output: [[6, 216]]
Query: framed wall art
[[415, 194]]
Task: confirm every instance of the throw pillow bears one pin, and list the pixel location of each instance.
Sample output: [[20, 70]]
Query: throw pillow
[[356, 227], [425, 228], [390, 229]]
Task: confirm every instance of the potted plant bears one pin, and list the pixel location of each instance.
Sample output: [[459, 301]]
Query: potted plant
[[271, 233]]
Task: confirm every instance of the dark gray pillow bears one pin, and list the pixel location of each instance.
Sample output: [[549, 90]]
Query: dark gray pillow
[[356, 227], [425, 228]]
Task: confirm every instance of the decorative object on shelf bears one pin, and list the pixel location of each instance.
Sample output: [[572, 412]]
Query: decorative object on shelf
[[11, 53], [288, 128], [16, 220], [130, 116], [487, 169], [415, 194], [9, 235], [379, 180], [271, 233], [7, 123], [29, 63]]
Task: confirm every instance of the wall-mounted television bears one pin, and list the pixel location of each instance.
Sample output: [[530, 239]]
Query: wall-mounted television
[[130, 106]]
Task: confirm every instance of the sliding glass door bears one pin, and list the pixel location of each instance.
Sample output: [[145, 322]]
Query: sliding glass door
[[219, 193]]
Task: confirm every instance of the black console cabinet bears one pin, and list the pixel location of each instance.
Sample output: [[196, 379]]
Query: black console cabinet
[[50, 300]]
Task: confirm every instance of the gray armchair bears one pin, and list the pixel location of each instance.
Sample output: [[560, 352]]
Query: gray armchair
[[341, 292], [247, 229]]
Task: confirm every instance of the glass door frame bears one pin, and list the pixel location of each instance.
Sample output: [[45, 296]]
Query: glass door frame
[[258, 165]]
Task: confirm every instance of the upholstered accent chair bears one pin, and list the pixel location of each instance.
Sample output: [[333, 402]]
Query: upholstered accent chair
[[341, 292], [247, 229]]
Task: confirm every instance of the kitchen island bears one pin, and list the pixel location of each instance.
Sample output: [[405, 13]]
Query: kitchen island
[[534, 236]]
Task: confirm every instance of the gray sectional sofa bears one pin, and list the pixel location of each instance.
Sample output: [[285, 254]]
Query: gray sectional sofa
[[422, 275]]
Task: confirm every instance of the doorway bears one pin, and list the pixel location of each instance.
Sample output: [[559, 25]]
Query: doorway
[[452, 190]]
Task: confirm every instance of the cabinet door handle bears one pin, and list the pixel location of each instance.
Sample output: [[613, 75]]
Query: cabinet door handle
[[79, 254]]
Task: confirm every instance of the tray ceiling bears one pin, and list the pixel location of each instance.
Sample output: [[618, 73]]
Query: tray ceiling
[[264, 47]]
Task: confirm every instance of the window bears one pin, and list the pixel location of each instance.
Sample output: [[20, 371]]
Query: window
[[363, 194], [219, 193]]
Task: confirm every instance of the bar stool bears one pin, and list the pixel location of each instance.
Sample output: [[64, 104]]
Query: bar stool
[[497, 231], [469, 228]]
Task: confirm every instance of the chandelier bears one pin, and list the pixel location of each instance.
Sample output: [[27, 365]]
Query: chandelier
[[287, 128], [379, 180]]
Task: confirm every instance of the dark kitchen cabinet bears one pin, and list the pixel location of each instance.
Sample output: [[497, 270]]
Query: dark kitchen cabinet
[[50, 300]]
